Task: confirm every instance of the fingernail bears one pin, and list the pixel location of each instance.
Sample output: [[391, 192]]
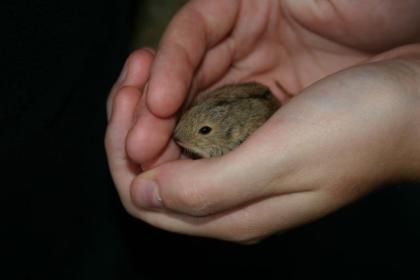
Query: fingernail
[[145, 194]]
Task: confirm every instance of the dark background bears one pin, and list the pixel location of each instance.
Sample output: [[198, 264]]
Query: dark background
[[62, 216]]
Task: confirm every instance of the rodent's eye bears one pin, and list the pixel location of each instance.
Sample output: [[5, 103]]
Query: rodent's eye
[[205, 130]]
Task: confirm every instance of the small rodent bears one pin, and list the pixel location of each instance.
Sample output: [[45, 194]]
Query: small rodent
[[222, 119]]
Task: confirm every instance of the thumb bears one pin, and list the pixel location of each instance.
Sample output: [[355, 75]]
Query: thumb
[[207, 186]]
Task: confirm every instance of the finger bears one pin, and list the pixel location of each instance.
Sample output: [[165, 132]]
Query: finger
[[181, 50], [197, 188], [134, 73], [122, 169], [196, 28], [204, 187], [148, 139], [250, 222], [216, 63]]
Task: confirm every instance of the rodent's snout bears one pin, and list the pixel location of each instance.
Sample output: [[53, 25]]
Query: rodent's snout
[[177, 136]]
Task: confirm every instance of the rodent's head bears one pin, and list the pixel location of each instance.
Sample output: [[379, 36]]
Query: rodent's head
[[206, 130]]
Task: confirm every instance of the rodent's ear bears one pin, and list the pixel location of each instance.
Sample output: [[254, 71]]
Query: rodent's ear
[[201, 97], [221, 92]]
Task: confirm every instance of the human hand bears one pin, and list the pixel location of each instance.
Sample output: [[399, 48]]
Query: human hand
[[202, 198], [210, 43], [338, 140]]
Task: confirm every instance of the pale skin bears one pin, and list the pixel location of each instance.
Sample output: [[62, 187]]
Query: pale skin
[[352, 126]]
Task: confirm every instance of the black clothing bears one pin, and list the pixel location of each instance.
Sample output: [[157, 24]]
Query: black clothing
[[65, 220]]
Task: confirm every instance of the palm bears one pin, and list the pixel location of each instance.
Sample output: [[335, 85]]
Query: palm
[[294, 46], [279, 49]]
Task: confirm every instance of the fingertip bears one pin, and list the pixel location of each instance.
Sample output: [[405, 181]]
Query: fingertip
[[164, 99]]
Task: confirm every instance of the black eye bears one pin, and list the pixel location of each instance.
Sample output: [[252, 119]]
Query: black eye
[[205, 130]]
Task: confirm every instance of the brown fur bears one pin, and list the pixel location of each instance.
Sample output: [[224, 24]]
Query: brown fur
[[232, 112]]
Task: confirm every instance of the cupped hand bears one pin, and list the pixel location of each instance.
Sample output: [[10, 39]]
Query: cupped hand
[[216, 42], [338, 140]]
